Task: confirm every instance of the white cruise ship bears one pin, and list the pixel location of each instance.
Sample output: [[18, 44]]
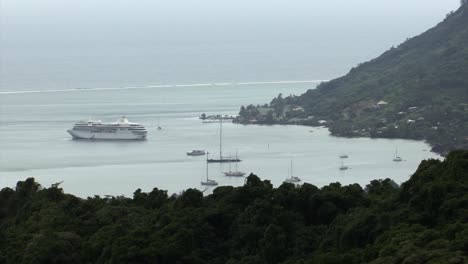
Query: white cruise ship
[[122, 129]]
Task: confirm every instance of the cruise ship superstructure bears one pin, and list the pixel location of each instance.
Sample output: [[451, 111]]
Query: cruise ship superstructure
[[122, 129]]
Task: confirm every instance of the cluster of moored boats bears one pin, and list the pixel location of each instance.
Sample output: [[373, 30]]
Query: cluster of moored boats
[[122, 129], [221, 159], [230, 173], [396, 158]]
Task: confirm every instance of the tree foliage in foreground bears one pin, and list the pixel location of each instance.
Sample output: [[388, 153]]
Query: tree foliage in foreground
[[425, 220]]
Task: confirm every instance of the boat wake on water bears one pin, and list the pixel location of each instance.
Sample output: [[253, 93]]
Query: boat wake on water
[[156, 86]]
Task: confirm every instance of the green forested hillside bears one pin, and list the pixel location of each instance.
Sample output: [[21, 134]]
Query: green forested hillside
[[418, 90], [425, 220]]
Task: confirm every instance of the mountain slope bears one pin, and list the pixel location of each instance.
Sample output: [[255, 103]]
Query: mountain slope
[[418, 90]]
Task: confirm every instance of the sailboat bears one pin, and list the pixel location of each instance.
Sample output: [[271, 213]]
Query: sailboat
[[292, 179], [159, 127], [221, 158], [208, 182], [397, 158], [343, 167], [235, 173]]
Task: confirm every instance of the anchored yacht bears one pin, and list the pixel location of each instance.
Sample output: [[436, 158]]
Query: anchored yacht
[[208, 182], [122, 129], [397, 158], [292, 179]]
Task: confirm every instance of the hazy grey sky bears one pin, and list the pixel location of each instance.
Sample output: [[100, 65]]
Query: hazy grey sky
[[64, 42], [102, 11], [33, 20]]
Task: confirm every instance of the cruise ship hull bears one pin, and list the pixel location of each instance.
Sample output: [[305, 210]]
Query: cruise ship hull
[[118, 135]]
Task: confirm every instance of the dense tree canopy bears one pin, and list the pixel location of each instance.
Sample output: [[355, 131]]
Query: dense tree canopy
[[425, 220]]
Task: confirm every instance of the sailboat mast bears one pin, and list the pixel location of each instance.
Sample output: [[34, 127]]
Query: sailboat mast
[[207, 166], [220, 138], [236, 159], [291, 169]]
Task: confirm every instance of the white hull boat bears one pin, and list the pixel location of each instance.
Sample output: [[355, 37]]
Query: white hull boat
[[120, 130]]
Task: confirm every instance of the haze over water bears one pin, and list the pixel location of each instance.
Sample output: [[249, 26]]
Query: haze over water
[[147, 51], [53, 44]]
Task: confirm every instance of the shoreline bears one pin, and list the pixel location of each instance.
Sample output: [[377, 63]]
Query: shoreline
[[443, 152]]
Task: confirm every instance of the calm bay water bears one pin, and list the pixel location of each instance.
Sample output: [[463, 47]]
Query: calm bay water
[[35, 143], [59, 46]]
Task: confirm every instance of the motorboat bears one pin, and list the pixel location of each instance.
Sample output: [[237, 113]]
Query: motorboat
[[196, 152]]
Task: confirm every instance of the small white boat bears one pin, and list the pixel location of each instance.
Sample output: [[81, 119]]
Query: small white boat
[[292, 179], [196, 152]]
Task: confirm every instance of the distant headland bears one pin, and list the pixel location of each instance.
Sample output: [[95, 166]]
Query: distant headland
[[418, 90]]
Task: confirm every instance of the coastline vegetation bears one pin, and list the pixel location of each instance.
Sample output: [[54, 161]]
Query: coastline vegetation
[[418, 90]]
